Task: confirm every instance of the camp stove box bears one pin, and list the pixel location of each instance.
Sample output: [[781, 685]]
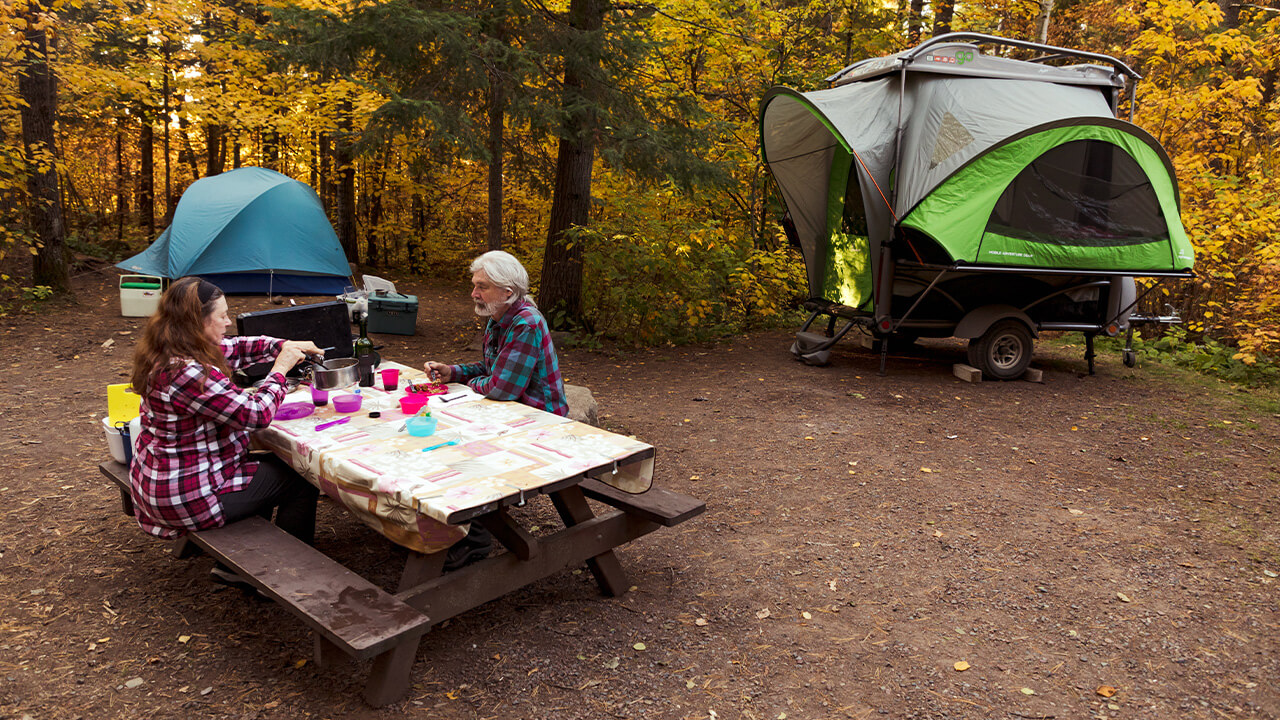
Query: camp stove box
[[393, 313]]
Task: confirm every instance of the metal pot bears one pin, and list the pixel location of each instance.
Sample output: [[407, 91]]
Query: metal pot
[[334, 374]]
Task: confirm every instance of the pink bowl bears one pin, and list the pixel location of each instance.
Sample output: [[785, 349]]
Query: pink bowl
[[346, 403], [411, 404]]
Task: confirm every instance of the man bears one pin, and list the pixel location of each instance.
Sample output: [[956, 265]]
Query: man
[[519, 361]]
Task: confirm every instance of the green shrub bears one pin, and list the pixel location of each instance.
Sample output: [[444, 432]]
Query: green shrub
[[643, 288], [1209, 357]]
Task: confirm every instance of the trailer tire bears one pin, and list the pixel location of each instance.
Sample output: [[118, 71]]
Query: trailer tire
[[1130, 358], [1003, 352]]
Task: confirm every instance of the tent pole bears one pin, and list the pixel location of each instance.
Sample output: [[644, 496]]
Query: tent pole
[[884, 287]]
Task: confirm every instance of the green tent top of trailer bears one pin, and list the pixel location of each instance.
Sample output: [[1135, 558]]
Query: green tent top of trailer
[[1000, 162]]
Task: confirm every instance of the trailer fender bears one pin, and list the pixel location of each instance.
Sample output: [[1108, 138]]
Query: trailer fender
[[976, 322]]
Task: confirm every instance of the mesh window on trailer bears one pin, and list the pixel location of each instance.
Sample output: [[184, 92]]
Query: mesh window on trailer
[[1081, 193]]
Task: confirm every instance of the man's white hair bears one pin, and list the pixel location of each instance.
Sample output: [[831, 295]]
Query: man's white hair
[[505, 271]]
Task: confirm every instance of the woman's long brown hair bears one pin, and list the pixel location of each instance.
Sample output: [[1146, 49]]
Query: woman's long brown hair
[[175, 334]]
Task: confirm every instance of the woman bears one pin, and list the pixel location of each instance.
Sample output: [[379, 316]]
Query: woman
[[192, 469]]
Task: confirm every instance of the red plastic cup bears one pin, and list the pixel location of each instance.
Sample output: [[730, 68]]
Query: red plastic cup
[[390, 379]]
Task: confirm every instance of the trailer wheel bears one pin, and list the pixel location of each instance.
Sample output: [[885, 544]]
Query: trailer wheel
[[1130, 358], [1004, 350]]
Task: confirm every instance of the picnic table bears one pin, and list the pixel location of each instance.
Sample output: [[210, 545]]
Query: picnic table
[[422, 493]]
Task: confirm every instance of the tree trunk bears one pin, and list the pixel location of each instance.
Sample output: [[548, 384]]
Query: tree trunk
[[497, 112], [561, 287], [344, 164], [147, 176], [1042, 21], [325, 188], [915, 22], [372, 250], [164, 118], [313, 170], [186, 153], [215, 149], [271, 149], [1230, 14], [122, 196], [39, 95], [235, 152], [944, 11]]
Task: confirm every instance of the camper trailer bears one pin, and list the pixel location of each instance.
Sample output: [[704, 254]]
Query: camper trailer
[[952, 191]]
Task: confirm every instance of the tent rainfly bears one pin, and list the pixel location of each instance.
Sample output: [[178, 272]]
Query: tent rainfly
[[249, 230]]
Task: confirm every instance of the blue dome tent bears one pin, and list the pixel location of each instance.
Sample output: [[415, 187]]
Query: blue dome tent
[[249, 230]]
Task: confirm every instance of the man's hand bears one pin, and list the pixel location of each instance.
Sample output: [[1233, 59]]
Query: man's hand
[[438, 372]]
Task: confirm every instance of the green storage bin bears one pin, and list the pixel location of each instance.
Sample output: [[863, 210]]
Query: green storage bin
[[393, 313]]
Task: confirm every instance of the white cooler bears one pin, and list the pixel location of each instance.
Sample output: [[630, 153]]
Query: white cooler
[[140, 295], [115, 443]]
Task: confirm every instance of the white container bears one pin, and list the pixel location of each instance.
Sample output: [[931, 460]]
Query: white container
[[115, 444], [140, 301]]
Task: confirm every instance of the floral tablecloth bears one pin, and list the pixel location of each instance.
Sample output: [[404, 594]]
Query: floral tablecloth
[[421, 500]]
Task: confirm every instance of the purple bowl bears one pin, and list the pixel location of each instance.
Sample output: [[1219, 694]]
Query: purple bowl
[[346, 403]]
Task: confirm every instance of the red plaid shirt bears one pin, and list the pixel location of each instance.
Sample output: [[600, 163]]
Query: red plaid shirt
[[194, 442]]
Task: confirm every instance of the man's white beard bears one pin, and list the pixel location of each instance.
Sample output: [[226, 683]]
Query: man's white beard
[[489, 309]]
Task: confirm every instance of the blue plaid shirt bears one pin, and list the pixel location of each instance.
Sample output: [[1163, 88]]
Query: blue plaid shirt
[[519, 362]]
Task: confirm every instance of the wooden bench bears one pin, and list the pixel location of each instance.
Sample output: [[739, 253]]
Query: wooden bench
[[353, 616], [347, 612], [663, 507]]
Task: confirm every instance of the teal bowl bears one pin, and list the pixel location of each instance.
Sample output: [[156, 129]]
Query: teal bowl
[[420, 426]]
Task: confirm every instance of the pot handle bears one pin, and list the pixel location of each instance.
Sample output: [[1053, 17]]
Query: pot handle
[[306, 371]]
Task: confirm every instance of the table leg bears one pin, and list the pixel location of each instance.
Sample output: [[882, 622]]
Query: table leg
[[509, 533], [573, 508], [419, 568]]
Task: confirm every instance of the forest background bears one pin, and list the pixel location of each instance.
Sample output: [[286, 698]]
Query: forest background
[[612, 146]]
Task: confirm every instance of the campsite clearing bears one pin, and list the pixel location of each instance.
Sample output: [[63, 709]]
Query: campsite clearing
[[900, 546]]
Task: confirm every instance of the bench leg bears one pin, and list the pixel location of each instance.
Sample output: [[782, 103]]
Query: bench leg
[[328, 655], [389, 679], [183, 548], [126, 502], [419, 568], [572, 505]]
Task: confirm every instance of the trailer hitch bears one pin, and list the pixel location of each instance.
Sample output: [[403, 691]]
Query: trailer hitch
[[1170, 317]]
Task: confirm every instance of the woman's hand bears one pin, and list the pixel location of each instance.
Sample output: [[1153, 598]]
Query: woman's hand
[[306, 346], [291, 354], [438, 372]]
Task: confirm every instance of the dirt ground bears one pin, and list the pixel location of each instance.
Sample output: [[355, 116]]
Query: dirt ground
[[1091, 547]]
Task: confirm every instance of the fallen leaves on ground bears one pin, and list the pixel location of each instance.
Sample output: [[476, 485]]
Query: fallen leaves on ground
[[961, 666], [1106, 690]]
